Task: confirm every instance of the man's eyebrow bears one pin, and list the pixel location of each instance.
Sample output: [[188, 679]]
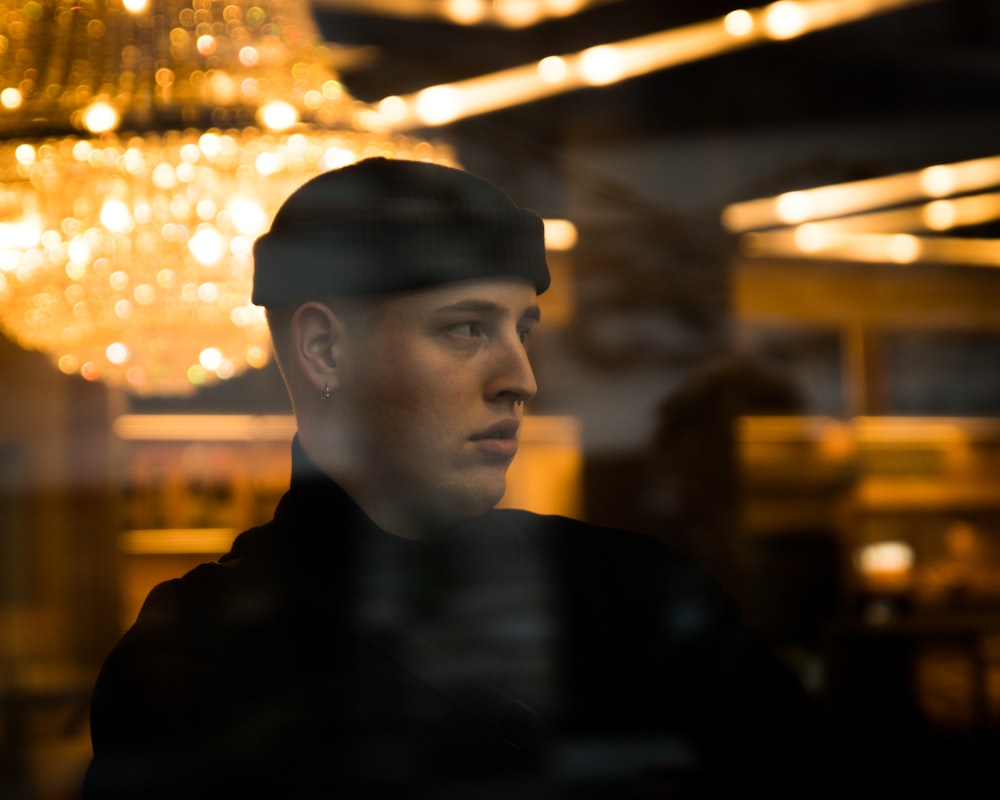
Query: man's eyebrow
[[531, 314]]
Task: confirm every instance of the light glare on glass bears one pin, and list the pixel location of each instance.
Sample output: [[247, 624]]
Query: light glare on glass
[[465, 12], [25, 154], [438, 104], [784, 19], [738, 23], [116, 217], [392, 108], [903, 248], [278, 115], [248, 217], [560, 234], [100, 117], [792, 207], [11, 98], [601, 65], [518, 13], [207, 246], [552, 69], [810, 238], [206, 45], [885, 557], [116, 353], [210, 358], [940, 215], [938, 181]]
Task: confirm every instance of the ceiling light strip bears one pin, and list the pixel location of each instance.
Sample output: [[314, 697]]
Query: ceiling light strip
[[505, 13], [204, 427], [610, 63], [937, 215], [834, 200], [806, 241]]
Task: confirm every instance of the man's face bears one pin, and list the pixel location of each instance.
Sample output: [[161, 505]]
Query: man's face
[[429, 390]]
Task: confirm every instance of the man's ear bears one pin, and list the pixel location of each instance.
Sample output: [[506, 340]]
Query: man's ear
[[317, 339]]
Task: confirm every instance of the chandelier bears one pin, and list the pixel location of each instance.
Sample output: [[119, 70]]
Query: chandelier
[[144, 145]]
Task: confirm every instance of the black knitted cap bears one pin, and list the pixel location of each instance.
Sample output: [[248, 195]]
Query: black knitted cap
[[388, 225]]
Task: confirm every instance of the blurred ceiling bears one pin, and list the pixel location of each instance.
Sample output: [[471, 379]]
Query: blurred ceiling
[[938, 58]]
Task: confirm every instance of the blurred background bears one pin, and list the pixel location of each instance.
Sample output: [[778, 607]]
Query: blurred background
[[773, 338]]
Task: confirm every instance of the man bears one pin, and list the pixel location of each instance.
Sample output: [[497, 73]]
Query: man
[[389, 633]]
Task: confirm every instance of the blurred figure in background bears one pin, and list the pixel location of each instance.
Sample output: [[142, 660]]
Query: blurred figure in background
[[786, 578], [694, 459], [390, 633]]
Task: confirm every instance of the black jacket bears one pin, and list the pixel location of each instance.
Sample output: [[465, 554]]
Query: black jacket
[[525, 655]]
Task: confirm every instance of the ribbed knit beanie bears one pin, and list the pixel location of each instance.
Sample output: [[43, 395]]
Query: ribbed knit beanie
[[388, 225]]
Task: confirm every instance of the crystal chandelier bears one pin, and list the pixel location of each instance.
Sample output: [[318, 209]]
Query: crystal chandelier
[[144, 145]]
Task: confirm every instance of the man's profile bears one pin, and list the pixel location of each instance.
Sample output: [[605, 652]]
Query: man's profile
[[389, 632]]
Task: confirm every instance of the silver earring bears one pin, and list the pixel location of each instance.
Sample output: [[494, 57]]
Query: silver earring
[[325, 394]]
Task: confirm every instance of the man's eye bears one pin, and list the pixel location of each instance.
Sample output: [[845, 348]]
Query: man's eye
[[471, 329]]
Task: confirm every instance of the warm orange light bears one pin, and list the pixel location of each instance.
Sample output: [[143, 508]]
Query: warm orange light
[[162, 541], [546, 477], [100, 117], [785, 19], [738, 23], [11, 98], [885, 248], [601, 65], [853, 197], [885, 565], [126, 257], [552, 69], [560, 234], [506, 13], [615, 61], [204, 427], [278, 115]]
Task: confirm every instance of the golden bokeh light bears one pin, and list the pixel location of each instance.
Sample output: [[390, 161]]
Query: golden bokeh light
[[610, 62], [553, 69], [560, 234], [601, 65], [132, 191], [738, 23]]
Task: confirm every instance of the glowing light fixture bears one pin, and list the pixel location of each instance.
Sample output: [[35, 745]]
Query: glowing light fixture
[[506, 13], [785, 19], [204, 427], [611, 62], [888, 562], [560, 234], [145, 144], [601, 65], [875, 248], [841, 221], [852, 197]]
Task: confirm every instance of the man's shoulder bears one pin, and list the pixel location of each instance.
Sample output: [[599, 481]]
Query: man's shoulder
[[559, 525], [633, 602], [227, 589], [601, 546], [614, 569]]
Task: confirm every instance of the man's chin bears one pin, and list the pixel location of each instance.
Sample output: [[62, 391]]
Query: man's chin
[[473, 502]]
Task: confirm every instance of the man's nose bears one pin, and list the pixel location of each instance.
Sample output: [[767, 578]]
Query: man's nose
[[514, 375]]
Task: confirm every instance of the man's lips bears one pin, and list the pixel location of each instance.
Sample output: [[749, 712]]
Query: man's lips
[[506, 429], [499, 438]]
